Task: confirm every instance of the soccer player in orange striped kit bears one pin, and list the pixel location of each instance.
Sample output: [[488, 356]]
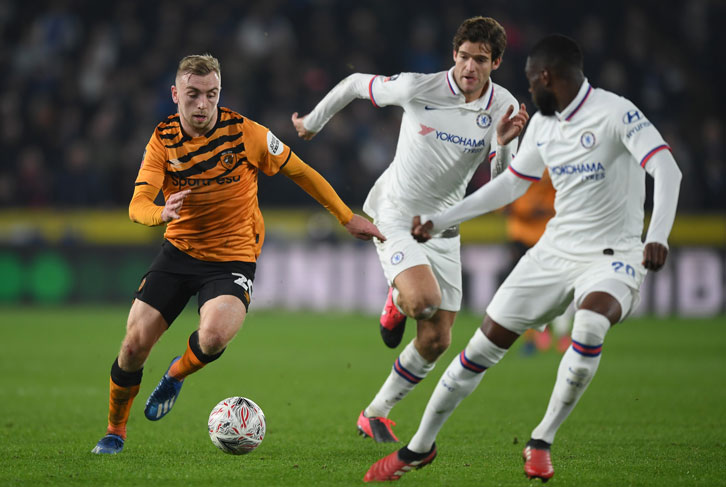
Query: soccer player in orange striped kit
[[206, 160]]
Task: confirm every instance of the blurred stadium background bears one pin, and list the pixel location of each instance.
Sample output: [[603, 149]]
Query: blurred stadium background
[[84, 83]]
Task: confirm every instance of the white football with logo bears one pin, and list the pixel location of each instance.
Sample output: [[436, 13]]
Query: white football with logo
[[236, 425]]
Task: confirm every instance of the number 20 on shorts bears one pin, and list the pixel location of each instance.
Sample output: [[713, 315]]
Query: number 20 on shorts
[[623, 267]]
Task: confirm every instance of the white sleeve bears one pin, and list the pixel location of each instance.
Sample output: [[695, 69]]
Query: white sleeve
[[635, 131], [501, 156], [380, 90], [354, 86], [495, 194], [667, 181]]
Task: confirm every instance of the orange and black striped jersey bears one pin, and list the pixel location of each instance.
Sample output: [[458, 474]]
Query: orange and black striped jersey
[[220, 219]]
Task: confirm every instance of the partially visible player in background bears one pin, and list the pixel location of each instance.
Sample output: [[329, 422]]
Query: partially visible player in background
[[452, 122], [206, 159], [597, 147], [526, 219]]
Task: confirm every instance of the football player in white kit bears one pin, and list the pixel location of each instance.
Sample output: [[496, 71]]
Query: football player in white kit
[[452, 122], [597, 147]]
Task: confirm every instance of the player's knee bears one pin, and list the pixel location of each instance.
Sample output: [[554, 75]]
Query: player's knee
[[589, 328], [136, 345], [423, 307], [212, 343]]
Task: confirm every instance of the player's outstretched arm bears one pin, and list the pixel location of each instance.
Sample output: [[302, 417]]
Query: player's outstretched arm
[[495, 194], [350, 88], [363, 229], [318, 187]]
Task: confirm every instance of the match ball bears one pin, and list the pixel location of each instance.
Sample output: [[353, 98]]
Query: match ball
[[236, 425]]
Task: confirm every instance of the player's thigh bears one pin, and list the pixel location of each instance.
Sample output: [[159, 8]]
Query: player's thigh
[[539, 288], [444, 256], [165, 287], [618, 276], [220, 319], [144, 326], [418, 287], [401, 252], [225, 292]]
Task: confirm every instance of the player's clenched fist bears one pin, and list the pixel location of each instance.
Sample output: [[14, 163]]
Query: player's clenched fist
[[421, 232], [302, 132]]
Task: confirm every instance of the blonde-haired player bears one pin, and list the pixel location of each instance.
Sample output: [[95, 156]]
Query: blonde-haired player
[[206, 160]]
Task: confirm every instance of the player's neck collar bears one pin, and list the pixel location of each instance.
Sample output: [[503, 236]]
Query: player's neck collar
[[485, 100], [576, 104], [453, 87]]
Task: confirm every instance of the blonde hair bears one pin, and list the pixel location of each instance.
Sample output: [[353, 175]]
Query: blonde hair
[[199, 64]]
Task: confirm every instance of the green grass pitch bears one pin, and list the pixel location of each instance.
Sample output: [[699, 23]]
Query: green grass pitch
[[654, 414]]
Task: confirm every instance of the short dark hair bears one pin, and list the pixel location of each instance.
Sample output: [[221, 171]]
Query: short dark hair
[[482, 29], [559, 53]]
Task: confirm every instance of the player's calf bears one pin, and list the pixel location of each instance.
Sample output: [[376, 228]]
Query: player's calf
[[582, 359]]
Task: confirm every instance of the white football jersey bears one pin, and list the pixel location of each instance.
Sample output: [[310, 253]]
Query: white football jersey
[[595, 151], [441, 143]]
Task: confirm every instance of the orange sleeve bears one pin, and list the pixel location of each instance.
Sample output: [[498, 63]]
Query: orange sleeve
[[143, 209], [316, 186], [153, 163], [150, 178]]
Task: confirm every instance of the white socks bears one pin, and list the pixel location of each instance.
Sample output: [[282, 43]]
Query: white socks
[[577, 368], [459, 380], [409, 369]]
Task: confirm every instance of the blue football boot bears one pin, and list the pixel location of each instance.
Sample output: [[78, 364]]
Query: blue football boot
[[162, 399], [109, 444]]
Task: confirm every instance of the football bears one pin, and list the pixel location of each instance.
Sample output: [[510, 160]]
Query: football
[[236, 425]]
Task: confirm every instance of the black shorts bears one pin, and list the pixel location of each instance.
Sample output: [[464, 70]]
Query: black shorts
[[175, 276]]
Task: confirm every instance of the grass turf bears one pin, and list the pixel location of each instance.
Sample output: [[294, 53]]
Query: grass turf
[[654, 413]]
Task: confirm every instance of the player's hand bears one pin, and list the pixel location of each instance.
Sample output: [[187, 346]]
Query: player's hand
[[509, 127], [300, 127], [363, 229], [654, 256], [421, 232], [173, 205]]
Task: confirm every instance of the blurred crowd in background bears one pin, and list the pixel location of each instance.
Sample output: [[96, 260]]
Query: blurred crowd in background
[[84, 83]]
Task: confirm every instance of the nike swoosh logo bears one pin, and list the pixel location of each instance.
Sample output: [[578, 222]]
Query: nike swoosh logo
[[540, 144], [426, 107]]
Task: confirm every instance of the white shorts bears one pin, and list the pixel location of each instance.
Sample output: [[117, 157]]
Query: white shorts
[[400, 252], [543, 284]]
